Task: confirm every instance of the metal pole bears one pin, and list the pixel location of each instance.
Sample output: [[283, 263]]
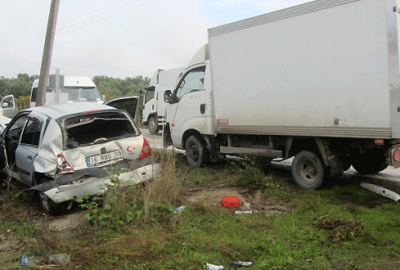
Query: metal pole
[[57, 86], [47, 51]]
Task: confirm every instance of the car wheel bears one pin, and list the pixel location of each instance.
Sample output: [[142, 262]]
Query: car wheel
[[50, 207], [308, 170], [196, 151], [153, 126]]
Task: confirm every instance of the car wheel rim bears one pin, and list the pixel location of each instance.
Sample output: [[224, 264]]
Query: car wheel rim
[[44, 201], [308, 171]]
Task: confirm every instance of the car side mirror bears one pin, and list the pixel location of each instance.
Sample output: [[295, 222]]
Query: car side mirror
[[4, 105], [168, 96]]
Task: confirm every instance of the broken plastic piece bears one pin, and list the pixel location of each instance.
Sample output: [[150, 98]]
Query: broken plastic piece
[[382, 191], [24, 260], [214, 267], [243, 212], [179, 209], [240, 264]]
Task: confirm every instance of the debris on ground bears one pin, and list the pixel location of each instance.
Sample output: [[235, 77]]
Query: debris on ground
[[243, 212], [240, 264], [381, 191], [50, 261], [230, 202], [179, 209], [214, 267]]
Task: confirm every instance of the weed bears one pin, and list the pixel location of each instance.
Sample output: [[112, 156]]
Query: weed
[[340, 229], [249, 174]]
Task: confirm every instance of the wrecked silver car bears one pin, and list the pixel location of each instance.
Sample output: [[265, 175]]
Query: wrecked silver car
[[73, 150]]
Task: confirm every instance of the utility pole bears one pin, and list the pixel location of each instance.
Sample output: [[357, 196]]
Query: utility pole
[[47, 51]]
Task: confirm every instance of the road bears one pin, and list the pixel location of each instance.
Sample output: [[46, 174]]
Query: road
[[390, 174]]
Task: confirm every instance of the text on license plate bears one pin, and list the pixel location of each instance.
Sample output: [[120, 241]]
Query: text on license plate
[[94, 160]]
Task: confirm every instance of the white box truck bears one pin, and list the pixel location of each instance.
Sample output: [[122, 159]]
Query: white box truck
[[153, 101], [71, 89], [319, 82]]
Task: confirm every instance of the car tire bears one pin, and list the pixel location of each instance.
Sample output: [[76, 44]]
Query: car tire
[[196, 151], [308, 170], [50, 207], [153, 126]]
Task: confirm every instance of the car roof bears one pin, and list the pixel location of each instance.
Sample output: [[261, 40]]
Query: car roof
[[59, 110]]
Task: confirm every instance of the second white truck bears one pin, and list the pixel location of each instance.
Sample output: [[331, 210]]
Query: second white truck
[[319, 82], [153, 101]]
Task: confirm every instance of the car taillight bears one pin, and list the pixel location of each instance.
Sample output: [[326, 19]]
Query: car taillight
[[146, 150], [63, 165], [396, 155]]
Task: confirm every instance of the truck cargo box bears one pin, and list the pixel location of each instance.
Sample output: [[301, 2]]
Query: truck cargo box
[[327, 68]]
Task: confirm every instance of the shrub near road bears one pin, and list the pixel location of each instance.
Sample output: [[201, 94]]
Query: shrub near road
[[343, 227]]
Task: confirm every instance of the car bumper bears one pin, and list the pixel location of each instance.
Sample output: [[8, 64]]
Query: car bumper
[[94, 185]]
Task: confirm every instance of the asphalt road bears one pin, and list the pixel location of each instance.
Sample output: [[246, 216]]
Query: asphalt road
[[390, 175]]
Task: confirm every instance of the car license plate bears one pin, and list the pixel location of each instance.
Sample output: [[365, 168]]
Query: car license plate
[[94, 160]]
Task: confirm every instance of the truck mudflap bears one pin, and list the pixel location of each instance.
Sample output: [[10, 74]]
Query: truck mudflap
[[167, 140]]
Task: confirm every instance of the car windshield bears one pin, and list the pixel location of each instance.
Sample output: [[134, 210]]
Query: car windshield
[[82, 93], [89, 129]]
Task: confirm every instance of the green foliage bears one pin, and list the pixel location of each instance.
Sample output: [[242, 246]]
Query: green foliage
[[23, 102], [112, 87], [250, 174], [20, 86]]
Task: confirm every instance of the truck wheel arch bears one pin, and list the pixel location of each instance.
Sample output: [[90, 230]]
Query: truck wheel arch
[[193, 132]]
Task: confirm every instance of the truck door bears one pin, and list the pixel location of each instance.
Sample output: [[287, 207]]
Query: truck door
[[188, 106], [148, 103], [8, 106]]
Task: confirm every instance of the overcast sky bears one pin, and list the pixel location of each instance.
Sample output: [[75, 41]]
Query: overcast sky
[[116, 38]]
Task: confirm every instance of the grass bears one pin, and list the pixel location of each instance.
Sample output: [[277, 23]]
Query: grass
[[342, 227]]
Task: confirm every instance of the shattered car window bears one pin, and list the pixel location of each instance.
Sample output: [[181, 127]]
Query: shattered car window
[[31, 133], [89, 129]]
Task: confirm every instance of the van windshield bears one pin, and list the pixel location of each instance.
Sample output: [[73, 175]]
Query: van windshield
[[82, 93]]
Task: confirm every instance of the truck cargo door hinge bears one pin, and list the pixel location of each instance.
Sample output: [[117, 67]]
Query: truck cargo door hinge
[[395, 9]]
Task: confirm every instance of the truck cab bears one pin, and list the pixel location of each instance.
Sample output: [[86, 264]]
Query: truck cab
[[71, 89]]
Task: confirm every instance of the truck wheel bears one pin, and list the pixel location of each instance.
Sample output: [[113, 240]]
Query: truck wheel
[[370, 162], [196, 151], [153, 126], [308, 170]]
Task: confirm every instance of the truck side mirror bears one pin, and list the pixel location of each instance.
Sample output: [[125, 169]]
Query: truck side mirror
[[168, 96]]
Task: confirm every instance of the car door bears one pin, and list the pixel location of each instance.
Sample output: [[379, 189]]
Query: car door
[[8, 106], [28, 148], [129, 104], [11, 137]]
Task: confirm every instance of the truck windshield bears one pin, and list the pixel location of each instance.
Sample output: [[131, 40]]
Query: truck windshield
[[149, 94], [82, 93]]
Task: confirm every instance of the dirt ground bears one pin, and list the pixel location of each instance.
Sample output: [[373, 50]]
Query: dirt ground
[[74, 222]]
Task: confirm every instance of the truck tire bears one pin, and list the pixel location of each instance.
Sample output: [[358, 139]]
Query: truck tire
[[153, 126], [370, 162], [308, 170], [196, 151]]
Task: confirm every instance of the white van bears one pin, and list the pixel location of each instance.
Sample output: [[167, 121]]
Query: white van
[[72, 89]]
